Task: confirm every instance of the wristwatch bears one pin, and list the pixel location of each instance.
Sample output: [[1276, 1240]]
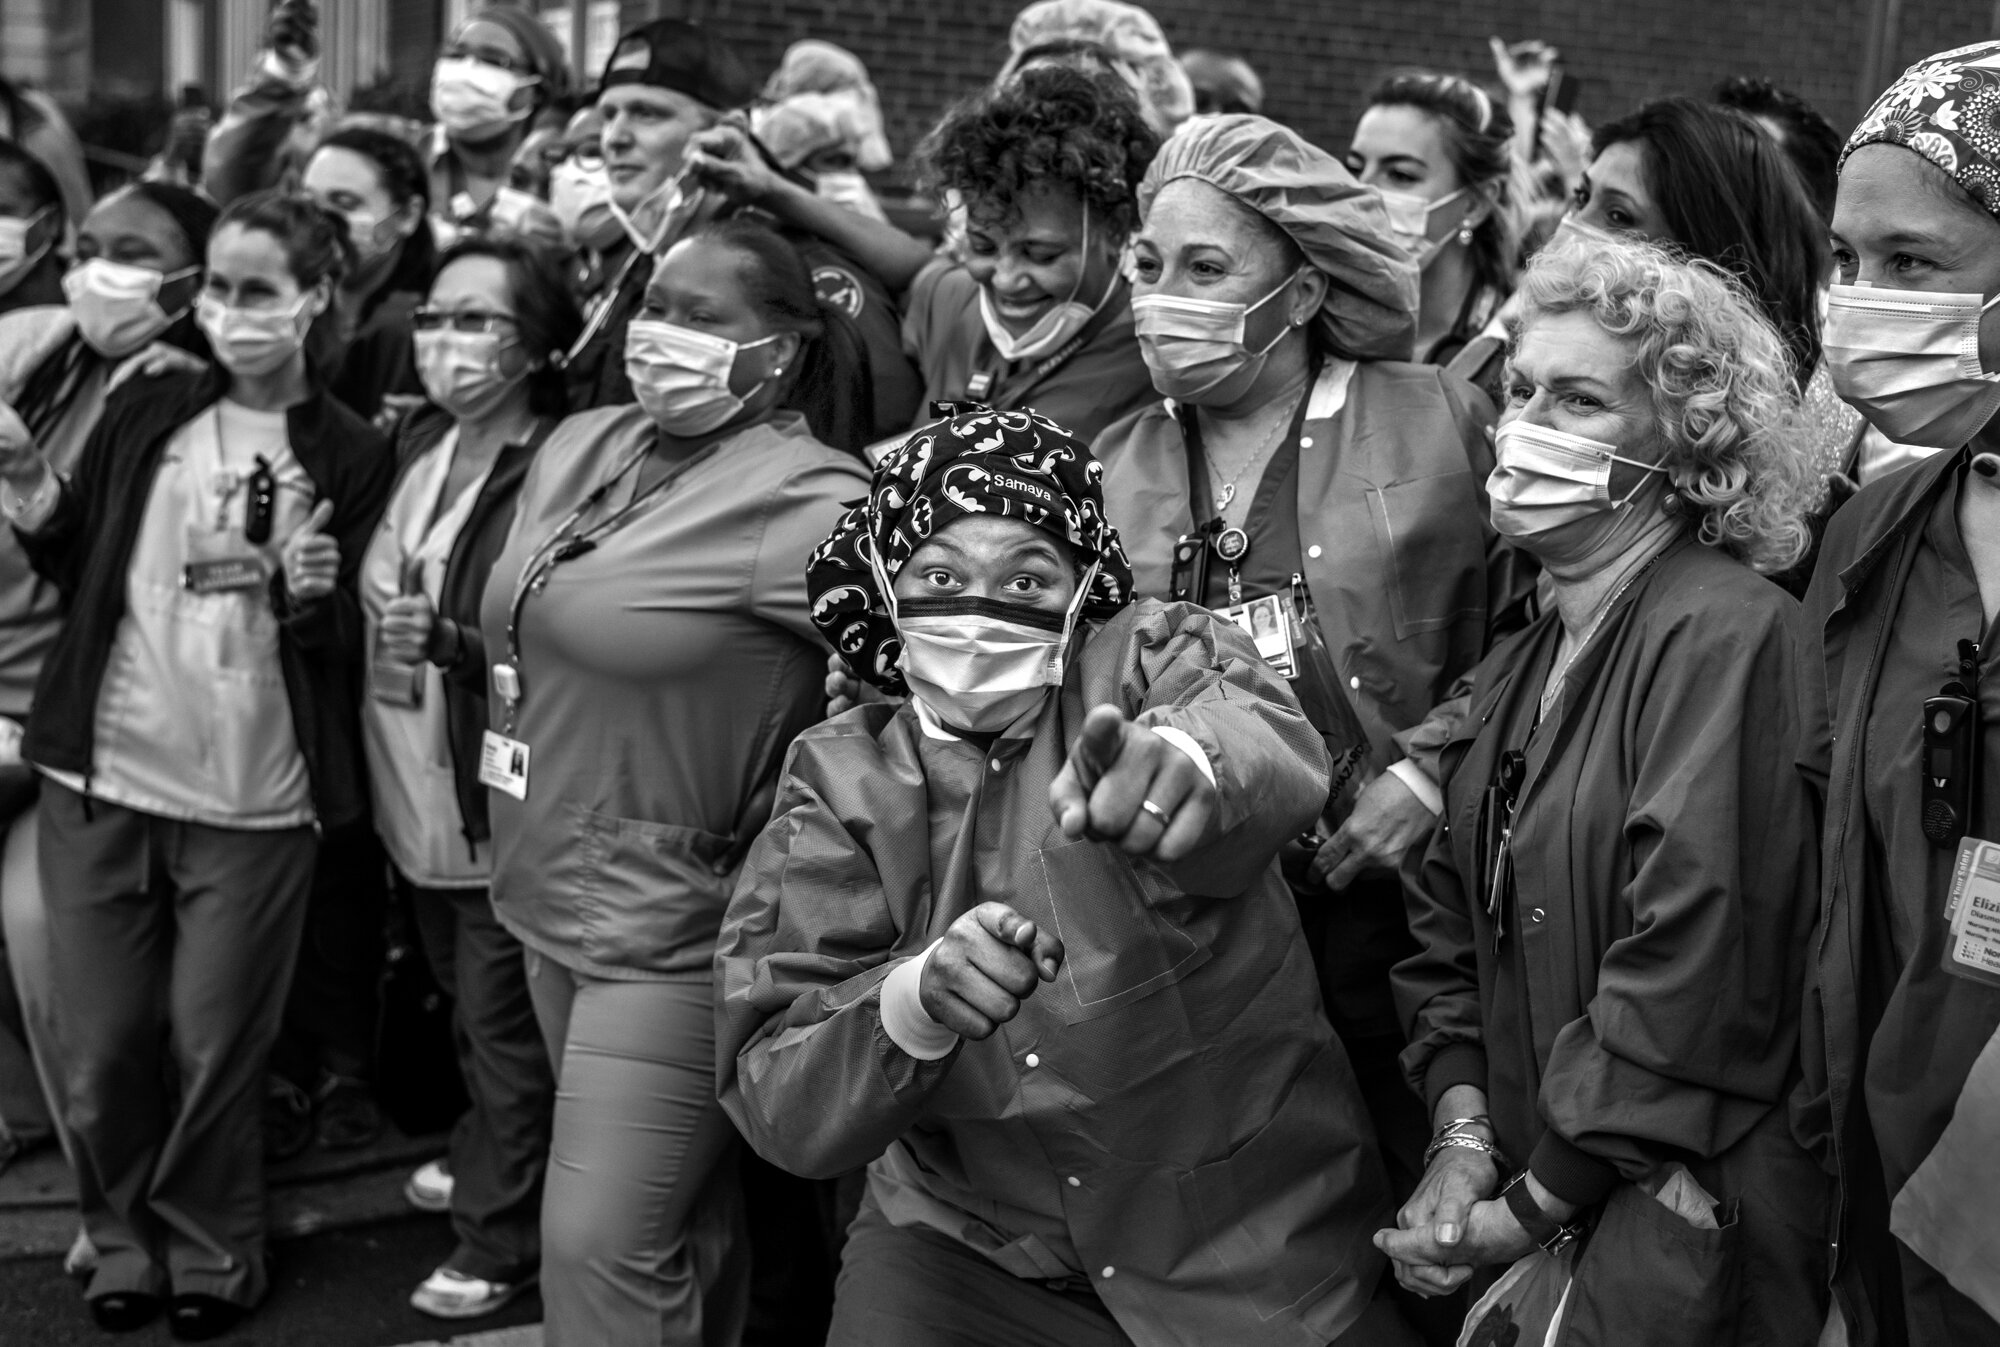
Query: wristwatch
[[1544, 1229]]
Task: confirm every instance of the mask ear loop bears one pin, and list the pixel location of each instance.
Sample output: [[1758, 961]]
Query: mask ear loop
[[1059, 662], [1272, 344]]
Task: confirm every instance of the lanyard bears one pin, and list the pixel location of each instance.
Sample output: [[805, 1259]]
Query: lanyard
[[612, 294], [1230, 543], [563, 546]]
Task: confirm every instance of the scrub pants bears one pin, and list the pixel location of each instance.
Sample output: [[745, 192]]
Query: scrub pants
[[642, 1215], [905, 1286], [175, 936], [500, 1145]]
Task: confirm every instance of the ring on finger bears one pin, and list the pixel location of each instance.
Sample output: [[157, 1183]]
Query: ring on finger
[[1162, 815]]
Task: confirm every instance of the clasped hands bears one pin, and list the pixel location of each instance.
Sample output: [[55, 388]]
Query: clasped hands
[[1123, 784]]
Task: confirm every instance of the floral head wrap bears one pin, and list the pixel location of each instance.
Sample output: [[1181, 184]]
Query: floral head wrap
[[1016, 465], [1946, 108]]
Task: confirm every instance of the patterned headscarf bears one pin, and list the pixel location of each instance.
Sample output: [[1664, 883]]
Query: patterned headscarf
[[1016, 465], [1946, 108]]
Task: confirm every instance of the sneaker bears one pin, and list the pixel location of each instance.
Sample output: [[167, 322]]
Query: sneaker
[[349, 1118], [81, 1260], [453, 1295], [288, 1128], [429, 1189]]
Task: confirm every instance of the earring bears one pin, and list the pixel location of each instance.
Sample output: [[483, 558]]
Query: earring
[[1465, 236], [778, 373], [1671, 503]]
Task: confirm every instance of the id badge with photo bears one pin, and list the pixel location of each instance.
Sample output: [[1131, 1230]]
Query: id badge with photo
[[1972, 912], [503, 764], [219, 561], [1264, 620]]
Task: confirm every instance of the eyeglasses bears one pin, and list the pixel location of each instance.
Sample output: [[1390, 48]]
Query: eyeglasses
[[589, 155], [468, 320]]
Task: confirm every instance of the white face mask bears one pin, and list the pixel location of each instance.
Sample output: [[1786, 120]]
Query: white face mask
[[980, 664], [252, 341], [848, 190], [1056, 326], [473, 99], [1410, 219], [660, 215], [581, 199], [1546, 478], [18, 253], [1193, 346], [682, 377], [461, 371], [1909, 362], [117, 306]]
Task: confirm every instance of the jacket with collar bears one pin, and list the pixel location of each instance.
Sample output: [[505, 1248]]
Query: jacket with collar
[[1850, 611], [85, 549], [472, 555]]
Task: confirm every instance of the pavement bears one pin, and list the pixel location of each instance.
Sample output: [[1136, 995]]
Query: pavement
[[348, 1251]]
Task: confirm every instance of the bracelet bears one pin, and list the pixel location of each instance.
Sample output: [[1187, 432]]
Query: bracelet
[[1550, 1234], [1464, 1141]]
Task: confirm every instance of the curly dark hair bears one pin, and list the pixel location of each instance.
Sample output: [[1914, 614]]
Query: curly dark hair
[[1050, 124]]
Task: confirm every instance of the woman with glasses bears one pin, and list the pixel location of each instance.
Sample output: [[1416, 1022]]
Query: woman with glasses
[[195, 724], [488, 339], [651, 656], [1612, 917], [493, 76]]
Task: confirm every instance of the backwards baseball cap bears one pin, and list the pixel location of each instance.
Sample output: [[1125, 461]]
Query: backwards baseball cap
[[673, 54]]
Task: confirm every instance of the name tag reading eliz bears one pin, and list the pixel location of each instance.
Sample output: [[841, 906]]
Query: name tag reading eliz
[[503, 764]]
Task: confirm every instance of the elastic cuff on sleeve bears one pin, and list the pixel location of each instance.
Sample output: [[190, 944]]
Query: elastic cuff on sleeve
[[904, 1018], [1571, 1174], [1185, 742], [1454, 1064], [1410, 774]]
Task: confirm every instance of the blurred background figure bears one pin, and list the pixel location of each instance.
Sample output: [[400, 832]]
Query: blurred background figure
[[1105, 35], [32, 120], [1802, 131], [822, 119], [1222, 82]]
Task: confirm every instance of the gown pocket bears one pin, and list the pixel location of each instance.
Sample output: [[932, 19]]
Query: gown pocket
[[649, 891], [1423, 533], [1116, 948], [1649, 1278]]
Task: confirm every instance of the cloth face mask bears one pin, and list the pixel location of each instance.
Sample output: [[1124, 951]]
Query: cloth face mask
[[461, 371], [17, 255], [682, 377], [1410, 220], [472, 99], [1546, 478], [252, 341], [1194, 345], [980, 664], [1909, 361], [581, 200], [117, 306]]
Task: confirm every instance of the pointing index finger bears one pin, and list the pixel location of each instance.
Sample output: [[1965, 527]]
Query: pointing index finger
[[320, 517]]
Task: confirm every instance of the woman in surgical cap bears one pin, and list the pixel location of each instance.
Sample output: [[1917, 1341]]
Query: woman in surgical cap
[[821, 118], [1299, 455]]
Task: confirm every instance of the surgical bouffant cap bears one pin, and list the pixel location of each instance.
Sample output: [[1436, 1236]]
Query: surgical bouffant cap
[[1370, 311]]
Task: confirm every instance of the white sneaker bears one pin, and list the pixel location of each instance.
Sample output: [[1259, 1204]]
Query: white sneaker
[[451, 1295], [429, 1189], [81, 1260]]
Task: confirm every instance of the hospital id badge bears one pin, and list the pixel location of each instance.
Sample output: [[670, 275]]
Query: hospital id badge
[[1972, 913], [219, 561], [1264, 620], [503, 764]]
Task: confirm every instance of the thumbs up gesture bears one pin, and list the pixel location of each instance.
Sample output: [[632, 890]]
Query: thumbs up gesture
[[1125, 784], [311, 557]]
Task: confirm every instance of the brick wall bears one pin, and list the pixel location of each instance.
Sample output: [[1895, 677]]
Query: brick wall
[[1317, 57]]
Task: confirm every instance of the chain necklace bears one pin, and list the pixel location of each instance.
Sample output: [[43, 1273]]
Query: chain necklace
[[1225, 492], [1553, 688]]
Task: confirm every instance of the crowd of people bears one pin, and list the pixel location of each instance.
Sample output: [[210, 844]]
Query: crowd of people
[[1210, 740]]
